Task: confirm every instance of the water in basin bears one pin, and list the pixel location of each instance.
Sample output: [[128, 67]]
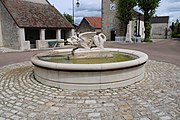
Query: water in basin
[[116, 57]]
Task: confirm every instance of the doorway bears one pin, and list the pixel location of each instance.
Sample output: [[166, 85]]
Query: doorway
[[32, 35], [50, 34], [113, 35]]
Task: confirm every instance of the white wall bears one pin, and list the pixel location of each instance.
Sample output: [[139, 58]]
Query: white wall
[[133, 24], [24, 45], [158, 30], [142, 29]]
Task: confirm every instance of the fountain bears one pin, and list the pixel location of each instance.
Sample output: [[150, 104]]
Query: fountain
[[65, 69]]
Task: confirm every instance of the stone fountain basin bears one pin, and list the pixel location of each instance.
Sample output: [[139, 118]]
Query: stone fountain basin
[[90, 76]]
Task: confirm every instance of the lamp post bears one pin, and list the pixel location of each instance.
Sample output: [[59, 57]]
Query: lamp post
[[77, 5], [139, 17]]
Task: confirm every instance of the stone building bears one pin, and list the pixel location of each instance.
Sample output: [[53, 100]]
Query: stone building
[[160, 27], [90, 24], [113, 29], [25, 22], [109, 21], [111, 26]]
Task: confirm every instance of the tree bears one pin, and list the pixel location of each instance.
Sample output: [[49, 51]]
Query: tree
[[124, 11], [177, 22], [178, 29], [172, 27], [175, 27], [149, 8], [68, 17]]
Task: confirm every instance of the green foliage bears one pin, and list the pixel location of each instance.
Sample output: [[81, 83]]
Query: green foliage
[[177, 22], [172, 26], [124, 11], [149, 8], [176, 36], [175, 27], [68, 17]]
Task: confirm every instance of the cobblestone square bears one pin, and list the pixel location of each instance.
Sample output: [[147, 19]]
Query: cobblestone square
[[154, 98]]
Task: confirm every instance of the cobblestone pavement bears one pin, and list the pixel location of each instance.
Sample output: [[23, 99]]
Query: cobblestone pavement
[[154, 98]]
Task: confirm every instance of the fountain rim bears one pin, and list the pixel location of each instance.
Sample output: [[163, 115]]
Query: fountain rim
[[142, 59]]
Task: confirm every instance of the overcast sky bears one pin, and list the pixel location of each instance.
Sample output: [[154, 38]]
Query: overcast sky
[[93, 8]]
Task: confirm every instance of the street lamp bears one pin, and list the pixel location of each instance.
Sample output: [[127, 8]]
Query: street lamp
[[77, 5], [139, 17]]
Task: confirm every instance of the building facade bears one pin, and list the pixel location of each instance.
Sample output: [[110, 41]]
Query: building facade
[[113, 29], [25, 22], [109, 21], [92, 24], [111, 26], [160, 27]]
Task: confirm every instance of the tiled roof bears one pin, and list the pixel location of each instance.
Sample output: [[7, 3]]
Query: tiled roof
[[30, 14], [160, 19], [94, 21]]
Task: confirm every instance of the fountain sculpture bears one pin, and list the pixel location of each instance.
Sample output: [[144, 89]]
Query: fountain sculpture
[[88, 76]]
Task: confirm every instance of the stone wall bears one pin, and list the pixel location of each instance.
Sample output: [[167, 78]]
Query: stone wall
[[109, 21], [85, 27], [159, 30], [9, 29]]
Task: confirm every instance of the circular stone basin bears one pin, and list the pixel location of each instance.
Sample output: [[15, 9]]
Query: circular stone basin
[[89, 76]]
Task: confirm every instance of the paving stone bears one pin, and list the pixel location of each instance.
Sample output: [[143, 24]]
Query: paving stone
[[95, 105], [15, 117], [155, 98], [109, 104], [88, 110], [1, 111], [71, 105], [128, 117], [32, 115], [156, 111], [144, 118], [79, 101], [90, 101], [1, 118], [161, 114], [8, 114], [93, 115], [20, 113], [165, 118]]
